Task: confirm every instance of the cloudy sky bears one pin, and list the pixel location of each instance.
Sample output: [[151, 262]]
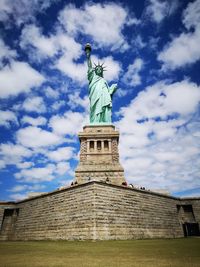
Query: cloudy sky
[[151, 49]]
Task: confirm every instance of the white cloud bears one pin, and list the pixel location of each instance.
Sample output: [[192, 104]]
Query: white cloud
[[184, 49], [2, 164], [13, 154], [69, 123], [18, 77], [76, 101], [35, 137], [62, 153], [7, 118], [97, 20], [76, 71], [58, 104], [112, 68], [25, 187], [163, 99], [6, 52], [63, 168], [138, 42], [34, 104], [68, 51], [68, 45], [18, 196], [132, 76], [60, 44], [48, 46], [18, 188], [159, 9], [21, 11], [24, 165], [11, 150], [191, 14], [160, 137], [51, 93], [161, 166], [71, 51], [32, 37], [188, 97], [34, 121], [36, 174], [42, 174], [153, 42]]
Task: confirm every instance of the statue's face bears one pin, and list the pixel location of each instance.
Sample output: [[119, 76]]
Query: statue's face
[[99, 71]]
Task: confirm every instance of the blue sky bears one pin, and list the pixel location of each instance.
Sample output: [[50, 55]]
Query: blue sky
[[151, 49]]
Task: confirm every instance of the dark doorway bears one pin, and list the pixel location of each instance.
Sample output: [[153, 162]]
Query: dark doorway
[[8, 223], [191, 229]]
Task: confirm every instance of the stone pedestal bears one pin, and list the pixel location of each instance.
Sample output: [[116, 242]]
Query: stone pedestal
[[99, 155]]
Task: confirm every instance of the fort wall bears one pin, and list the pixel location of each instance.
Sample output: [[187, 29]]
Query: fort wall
[[123, 213], [1, 213], [195, 203], [65, 214], [97, 211]]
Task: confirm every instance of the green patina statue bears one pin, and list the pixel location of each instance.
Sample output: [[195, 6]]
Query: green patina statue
[[100, 94]]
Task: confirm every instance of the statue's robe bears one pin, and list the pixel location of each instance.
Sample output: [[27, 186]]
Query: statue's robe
[[100, 98]]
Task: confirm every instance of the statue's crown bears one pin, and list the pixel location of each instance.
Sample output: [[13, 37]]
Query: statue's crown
[[97, 66]]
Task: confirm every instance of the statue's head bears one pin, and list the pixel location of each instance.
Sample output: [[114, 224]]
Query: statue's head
[[99, 69]]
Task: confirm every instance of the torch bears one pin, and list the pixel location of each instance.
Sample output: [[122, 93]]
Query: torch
[[88, 49]]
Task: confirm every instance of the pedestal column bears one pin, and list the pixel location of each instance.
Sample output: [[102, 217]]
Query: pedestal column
[[100, 164]]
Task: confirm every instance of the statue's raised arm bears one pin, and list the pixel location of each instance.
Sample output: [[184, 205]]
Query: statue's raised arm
[[100, 94], [88, 50]]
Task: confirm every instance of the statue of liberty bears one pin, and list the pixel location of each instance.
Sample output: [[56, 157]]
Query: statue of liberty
[[100, 94]]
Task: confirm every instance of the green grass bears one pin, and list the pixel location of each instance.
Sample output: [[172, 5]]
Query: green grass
[[139, 253]]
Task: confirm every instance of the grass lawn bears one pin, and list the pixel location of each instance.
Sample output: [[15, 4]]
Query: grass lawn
[[148, 253]]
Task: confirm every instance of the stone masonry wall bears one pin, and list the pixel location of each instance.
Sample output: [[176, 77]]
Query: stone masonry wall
[[195, 205], [196, 209], [66, 214], [1, 214], [124, 213], [3, 206], [8, 226], [99, 211]]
